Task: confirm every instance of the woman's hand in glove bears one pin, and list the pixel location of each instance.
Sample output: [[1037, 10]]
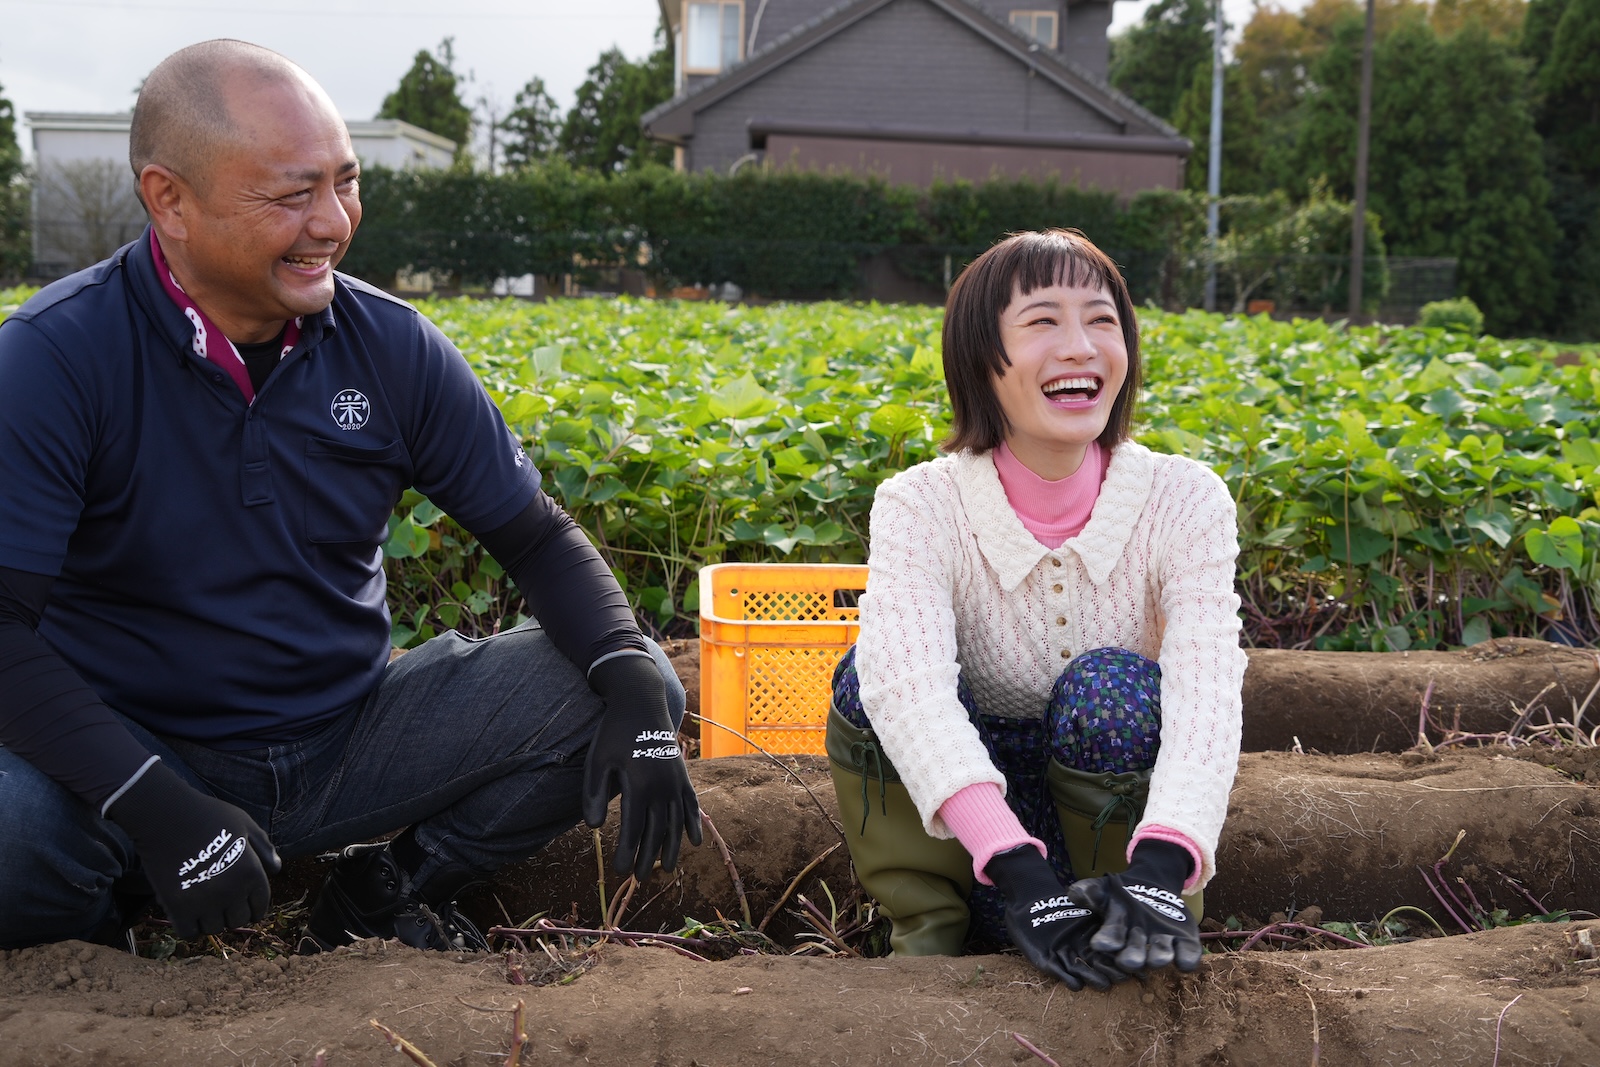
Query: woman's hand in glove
[[1144, 923], [1052, 932]]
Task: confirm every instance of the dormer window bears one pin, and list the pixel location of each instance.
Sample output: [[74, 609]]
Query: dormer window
[[1042, 26], [712, 35]]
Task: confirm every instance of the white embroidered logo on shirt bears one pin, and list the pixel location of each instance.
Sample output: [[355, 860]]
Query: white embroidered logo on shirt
[[350, 410]]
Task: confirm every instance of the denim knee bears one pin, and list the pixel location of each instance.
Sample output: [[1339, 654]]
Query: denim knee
[[58, 859]]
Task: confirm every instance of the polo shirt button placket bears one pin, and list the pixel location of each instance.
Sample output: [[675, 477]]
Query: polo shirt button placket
[[1061, 620]]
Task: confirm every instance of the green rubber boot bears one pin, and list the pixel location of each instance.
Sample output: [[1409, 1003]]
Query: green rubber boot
[[1098, 813], [919, 882]]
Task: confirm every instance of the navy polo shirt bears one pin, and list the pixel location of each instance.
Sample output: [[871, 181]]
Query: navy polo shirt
[[219, 566]]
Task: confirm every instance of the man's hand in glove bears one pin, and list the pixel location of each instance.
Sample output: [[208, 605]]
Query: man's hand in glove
[[635, 752], [1052, 932], [206, 860], [1144, 923]]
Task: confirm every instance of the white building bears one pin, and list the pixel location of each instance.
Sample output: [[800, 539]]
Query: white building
[[84, 206]]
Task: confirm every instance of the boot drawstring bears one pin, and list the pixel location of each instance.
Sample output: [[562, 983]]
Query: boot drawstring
[[859, 751], [1122, 799]]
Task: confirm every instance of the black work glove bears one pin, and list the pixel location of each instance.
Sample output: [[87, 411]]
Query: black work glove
[[206, 860], [1144, 922], [1052, 932], [635, 752]]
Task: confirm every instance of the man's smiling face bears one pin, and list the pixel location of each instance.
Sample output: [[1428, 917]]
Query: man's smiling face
[[273, 213]]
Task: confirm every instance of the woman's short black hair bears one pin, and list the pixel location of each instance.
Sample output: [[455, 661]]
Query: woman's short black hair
[[973, 353]]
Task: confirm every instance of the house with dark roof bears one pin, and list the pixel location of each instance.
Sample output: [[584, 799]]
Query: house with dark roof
[[913, 90]]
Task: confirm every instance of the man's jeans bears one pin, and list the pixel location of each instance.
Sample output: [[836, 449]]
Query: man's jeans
[[479, 743]]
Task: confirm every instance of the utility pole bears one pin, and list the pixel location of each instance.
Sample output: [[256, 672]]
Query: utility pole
[[1214, 160], [1358, 225]]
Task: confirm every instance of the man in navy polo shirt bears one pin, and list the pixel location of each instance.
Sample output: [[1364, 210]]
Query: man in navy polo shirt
[[203, 438]]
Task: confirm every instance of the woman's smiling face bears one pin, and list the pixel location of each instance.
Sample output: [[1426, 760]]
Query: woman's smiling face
[[1069, 361]]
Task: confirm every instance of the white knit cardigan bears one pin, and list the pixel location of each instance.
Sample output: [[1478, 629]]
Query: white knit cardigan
[[957, 585]]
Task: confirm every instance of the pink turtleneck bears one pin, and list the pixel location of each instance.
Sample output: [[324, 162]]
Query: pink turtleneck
[[1052, 512]]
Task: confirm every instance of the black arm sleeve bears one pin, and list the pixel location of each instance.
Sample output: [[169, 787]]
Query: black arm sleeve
[[48, 716], [568, 587]]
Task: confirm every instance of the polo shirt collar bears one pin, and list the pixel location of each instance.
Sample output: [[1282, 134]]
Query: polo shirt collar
[[175, 326]]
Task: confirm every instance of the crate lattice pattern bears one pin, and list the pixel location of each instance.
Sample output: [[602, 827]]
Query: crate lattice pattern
[[774, 718], [790, 605]]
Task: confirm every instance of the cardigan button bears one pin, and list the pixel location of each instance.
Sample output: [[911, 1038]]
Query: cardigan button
[[1066, 653], [1054, 562], [1056, 587], [1061, 620]]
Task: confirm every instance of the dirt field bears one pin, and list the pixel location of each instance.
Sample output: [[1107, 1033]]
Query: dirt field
[[1310, 838]]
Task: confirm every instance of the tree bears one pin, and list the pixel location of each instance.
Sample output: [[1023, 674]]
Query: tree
[[1570, 82], [1154, 61], [531, 127], [1242, 139], [87, 210], [1562, 37], [14, 238], [429, 96], [602, 131], [1457, 165]]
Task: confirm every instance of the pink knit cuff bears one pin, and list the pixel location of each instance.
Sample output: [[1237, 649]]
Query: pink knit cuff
[[1174, 837], [985, 825]]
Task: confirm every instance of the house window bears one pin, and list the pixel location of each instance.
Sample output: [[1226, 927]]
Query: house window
[[711, 36], [1040, 25]]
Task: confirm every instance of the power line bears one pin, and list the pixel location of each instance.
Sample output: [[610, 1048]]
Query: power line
[[587, 15]]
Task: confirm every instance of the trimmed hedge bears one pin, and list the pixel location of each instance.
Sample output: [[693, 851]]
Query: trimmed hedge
[[779, 233]]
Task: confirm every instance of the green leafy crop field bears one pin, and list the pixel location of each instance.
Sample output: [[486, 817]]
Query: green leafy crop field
[[1397, 487]]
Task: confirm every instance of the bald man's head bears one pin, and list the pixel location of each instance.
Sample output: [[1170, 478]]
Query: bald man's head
[[181, 119]]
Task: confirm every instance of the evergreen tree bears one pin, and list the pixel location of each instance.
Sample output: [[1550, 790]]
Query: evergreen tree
[[1242, 139], [531, 127], [1456, 164], [15, 254], [429, 96], [1154, 61], [1563, 38], [602, 131], [1570, 82]]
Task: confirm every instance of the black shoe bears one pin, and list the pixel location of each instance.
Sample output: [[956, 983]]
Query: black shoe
[[369, 895]]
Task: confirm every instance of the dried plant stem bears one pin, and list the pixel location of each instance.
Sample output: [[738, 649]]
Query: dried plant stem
[[519, 1037], [657, 943], [1514, 884], [623, 899], [545, 927], [1316, 1031], [600, 874], [795, 884], [727, 858], [1035, 1049], [400, 1044], [1527, 712], [1422, 719], [824, 925], [781, 765], [1391, 913], [1267, 932], [1577, 715], [1499, 1023]]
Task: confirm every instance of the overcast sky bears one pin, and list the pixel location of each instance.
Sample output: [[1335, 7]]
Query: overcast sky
[[88, 55]]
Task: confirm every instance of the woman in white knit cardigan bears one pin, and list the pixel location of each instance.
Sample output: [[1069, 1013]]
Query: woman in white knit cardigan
[[1047, 681]]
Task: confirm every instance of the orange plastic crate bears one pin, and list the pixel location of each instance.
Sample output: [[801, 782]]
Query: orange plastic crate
[[770, 637]]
